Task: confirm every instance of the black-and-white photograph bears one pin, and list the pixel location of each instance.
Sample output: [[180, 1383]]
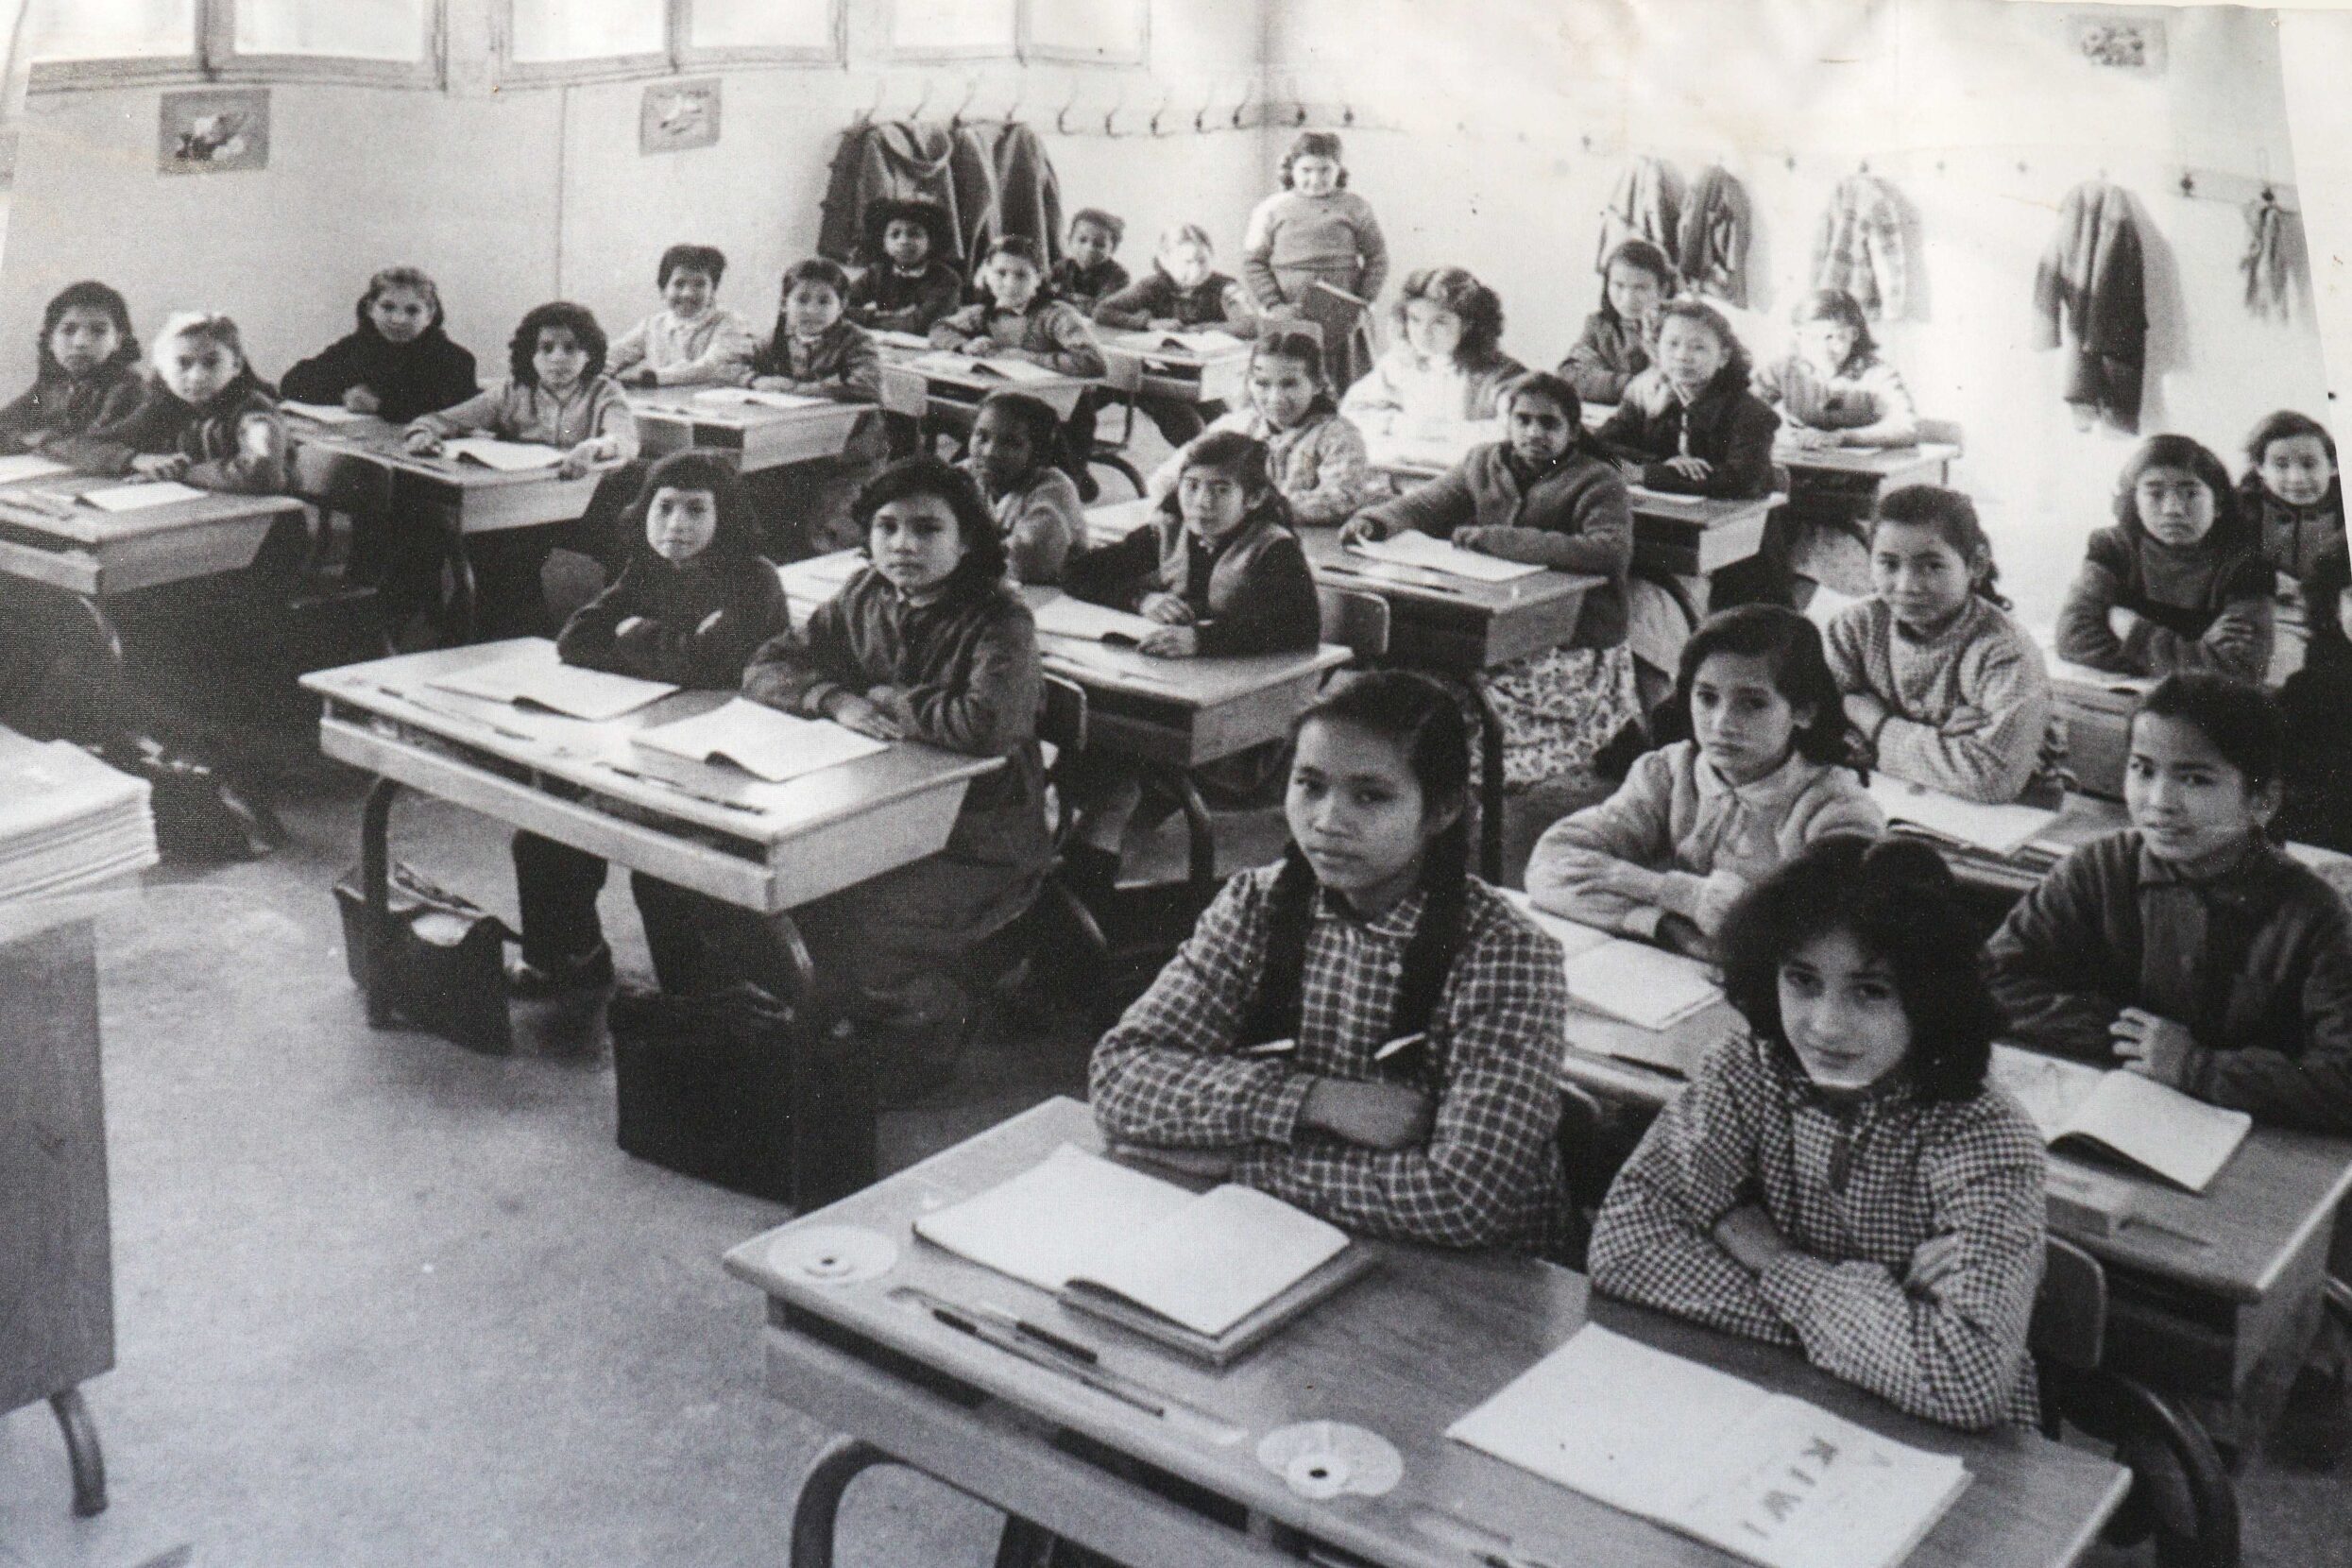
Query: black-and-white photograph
[[1153, 783]]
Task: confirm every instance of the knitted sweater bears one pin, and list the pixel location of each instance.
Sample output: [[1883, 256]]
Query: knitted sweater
[[1980, 659], [1867, 404], [1327, 233], [885, 300], [2293, 537], [1705, 839], [698, 624], [1573, 516], [1608, 355], [408, 379], [1042, 520], [2256, 962], [1403, 384], [236, 441], [1318, 464], [513, 411], [1049, 333], [713, 351], [2180, 595], [1086, 287]]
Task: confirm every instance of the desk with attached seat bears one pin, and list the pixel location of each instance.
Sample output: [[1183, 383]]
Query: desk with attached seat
[[755, 435], [1166, 1472]]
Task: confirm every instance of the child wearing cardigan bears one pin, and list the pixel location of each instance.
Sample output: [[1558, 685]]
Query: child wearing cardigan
[[1448, 364], [1315, 452], [1615, 344], [1840, 1177], [1370, 931], [1314, 252], [2291, 492], [1016, 459], [1183, 292], [86, 376], [932, 644], [817, 351], [2189, 946], [1688, 425], [396, 362], [1769, 770], [1835, 388], [1544, 498], [208, 420], [1089, 272], [1018, 318], [909, 283], [693, 602], [1948, 691], [2180, 583], [696, 341]]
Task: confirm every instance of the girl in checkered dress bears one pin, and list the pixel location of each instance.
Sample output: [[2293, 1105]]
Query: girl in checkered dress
[[1840, 1176], [1365, 1030]]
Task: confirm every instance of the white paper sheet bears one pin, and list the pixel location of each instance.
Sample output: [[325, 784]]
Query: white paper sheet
[[1018, 371], [535, 675], [324, 413], [2003, 829], [744, 396], [506, 456], [139, 498], [1063, 616], [1414, 548], [19, 466], [770, 745], [1048, 1223], [1643, 985]]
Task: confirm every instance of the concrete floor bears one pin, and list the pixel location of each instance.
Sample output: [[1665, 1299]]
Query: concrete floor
[[382, 1302]]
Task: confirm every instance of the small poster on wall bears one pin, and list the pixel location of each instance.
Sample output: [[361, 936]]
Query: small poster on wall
[[677, 115], [214, 130]]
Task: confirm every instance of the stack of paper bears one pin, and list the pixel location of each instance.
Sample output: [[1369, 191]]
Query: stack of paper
[[758, 740], [506, 456], [1764, 1476], [901, 340], [2002, 829], [138, 498], [1413, 547], [533, 676], [67, 821]]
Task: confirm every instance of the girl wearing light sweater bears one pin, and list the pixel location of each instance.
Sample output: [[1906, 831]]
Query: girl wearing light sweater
[[1447, 364], [1697, 822], [1948, 689], [1316, 452], [1314, 252]]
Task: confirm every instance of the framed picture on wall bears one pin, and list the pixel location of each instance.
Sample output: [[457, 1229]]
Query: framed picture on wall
[[677, 115], [214, 130], [2128, 42], [955, 30], [1097, 32]]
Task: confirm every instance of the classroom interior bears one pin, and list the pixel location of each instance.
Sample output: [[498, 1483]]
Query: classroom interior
[[378, 1299]]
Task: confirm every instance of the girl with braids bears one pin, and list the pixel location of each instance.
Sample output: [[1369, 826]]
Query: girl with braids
[[1365, 1030]]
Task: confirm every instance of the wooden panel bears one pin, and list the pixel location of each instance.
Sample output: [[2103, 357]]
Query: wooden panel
[[56, 1283], [73, 569]]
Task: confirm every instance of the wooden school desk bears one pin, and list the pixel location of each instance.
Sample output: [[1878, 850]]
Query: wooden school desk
[[1453, 627], [1673, 534], [564, 779], [48, 536], [1164, 1471], [467, 497], [1866, 472], [1141, 363], [757, 436], [927, 393], [1171, 715]]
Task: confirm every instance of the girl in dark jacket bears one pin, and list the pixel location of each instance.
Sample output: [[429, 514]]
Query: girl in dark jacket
[[1688, 424], [395, 362], [88, 376]]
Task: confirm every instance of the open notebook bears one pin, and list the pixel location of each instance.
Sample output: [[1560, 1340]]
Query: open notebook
[[324, 413], [1932, 813], [1626, 980], [1019, 371], [504, 456], [533, 676], [756, 739], [1411, 546], [2121, 1116], [746, 396], [1189, 343], [1764, 1476], [1209, 1273], [1075, 617]]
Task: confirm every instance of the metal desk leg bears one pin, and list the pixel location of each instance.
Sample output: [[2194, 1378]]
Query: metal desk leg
[[463, 610], [375, 878], [81, 1451], [1200, 844], [1489, 784], [819, 1508]]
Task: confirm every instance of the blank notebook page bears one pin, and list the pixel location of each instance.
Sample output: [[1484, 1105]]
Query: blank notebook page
[[1218, 1259], [1052, 1220]]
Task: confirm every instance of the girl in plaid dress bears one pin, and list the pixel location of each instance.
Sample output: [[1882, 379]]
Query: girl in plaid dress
[[1365, 1030], [1840, 1176]]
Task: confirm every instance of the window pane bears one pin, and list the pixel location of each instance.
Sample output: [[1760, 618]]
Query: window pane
[[588, 29], [763, 24], [1111, 29], [958, 25], [105, 29], [350, 29]]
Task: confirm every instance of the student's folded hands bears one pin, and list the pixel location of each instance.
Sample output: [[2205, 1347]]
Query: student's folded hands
[[159, 464], [1171, 643], [1369, 1114], [359, 399], [1693, 469], [863, 714], [2152, 1047], [1936, 1261], [1749, 1235], [1363, 528], [1167, 608]]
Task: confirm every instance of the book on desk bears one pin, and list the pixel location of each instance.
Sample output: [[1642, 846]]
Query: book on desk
[[1767, 1477], [1209, 1274], [2121, 1117], [758, 739], [1630, 980], [535, 676]]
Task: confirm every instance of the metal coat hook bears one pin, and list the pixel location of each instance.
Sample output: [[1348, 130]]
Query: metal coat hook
[[971, 91], [1200, 119], [1347, 114], [925, 101], [865, 115], [1166, 99], [1112, 113], [1062, 117], [2189, 184], [1248, 87]]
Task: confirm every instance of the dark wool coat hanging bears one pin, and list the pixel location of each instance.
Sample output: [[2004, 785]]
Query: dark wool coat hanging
[[2092, 296]]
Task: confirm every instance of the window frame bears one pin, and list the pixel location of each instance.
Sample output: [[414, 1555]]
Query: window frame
[[900, 54], [678, 54], [214, 57], [1030, 49]]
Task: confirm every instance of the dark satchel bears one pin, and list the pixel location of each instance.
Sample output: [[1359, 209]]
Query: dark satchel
[[444, 960], [735, 1088]]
